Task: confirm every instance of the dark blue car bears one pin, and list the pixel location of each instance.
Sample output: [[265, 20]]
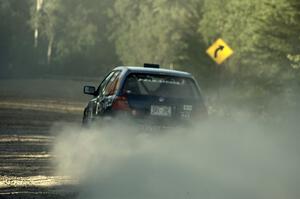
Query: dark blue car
[[147, 95]]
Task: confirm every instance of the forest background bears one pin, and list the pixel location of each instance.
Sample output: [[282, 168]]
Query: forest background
[[75, 38]]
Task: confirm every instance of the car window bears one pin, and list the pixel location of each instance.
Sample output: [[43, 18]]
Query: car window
[[160, 85], [112, 85], [101, 87]]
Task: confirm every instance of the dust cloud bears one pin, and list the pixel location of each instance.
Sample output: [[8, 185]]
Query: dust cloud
[[215, 159]]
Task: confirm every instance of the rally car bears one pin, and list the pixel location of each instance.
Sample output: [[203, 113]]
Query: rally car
[[149, 95]]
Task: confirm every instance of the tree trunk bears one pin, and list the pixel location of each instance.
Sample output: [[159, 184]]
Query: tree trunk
[[49, 51], [39, 4]]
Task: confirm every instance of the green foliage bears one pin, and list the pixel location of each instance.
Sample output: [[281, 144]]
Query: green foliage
[[89, 37], [78, 31], [150, 32], [15, 37], [262, 33]]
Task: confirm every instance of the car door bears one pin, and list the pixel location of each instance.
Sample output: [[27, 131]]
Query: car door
[[107, 93], [93, 106]]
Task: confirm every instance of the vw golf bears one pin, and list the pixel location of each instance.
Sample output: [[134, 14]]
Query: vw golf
[[148, 95]]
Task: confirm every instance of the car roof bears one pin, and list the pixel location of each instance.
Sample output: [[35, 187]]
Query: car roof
[[160, 71]]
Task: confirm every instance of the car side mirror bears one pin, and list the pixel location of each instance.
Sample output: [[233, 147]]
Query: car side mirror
[[89, 90]]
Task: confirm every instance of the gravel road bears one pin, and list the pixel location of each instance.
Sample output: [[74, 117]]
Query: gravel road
[[26, 168]]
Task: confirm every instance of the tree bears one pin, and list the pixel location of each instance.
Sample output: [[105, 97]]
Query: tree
[[76, 34], [15, 37], [161, 31], [261, 33]]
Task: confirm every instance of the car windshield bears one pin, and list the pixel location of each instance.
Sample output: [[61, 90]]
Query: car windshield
[[160, 85]]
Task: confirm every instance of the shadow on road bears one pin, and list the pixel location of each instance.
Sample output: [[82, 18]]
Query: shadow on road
[[53, 192], [26, 166]]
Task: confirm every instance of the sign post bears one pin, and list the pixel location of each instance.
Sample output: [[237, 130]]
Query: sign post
[[219, 52]]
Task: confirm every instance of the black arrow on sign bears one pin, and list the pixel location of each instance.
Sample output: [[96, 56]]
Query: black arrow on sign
[[218, 49]]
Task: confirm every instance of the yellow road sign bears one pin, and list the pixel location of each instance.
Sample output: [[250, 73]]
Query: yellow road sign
[[219, 51]]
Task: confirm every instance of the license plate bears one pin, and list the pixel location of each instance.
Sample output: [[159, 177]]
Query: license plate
[[165, 111]]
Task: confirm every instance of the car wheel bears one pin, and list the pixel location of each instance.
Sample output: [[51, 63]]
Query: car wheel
[[87, 118]]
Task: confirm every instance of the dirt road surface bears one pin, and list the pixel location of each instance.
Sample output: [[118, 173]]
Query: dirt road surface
[[26, 168], [26, 139]]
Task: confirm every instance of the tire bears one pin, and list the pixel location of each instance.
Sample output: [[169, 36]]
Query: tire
[[87, 118]]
